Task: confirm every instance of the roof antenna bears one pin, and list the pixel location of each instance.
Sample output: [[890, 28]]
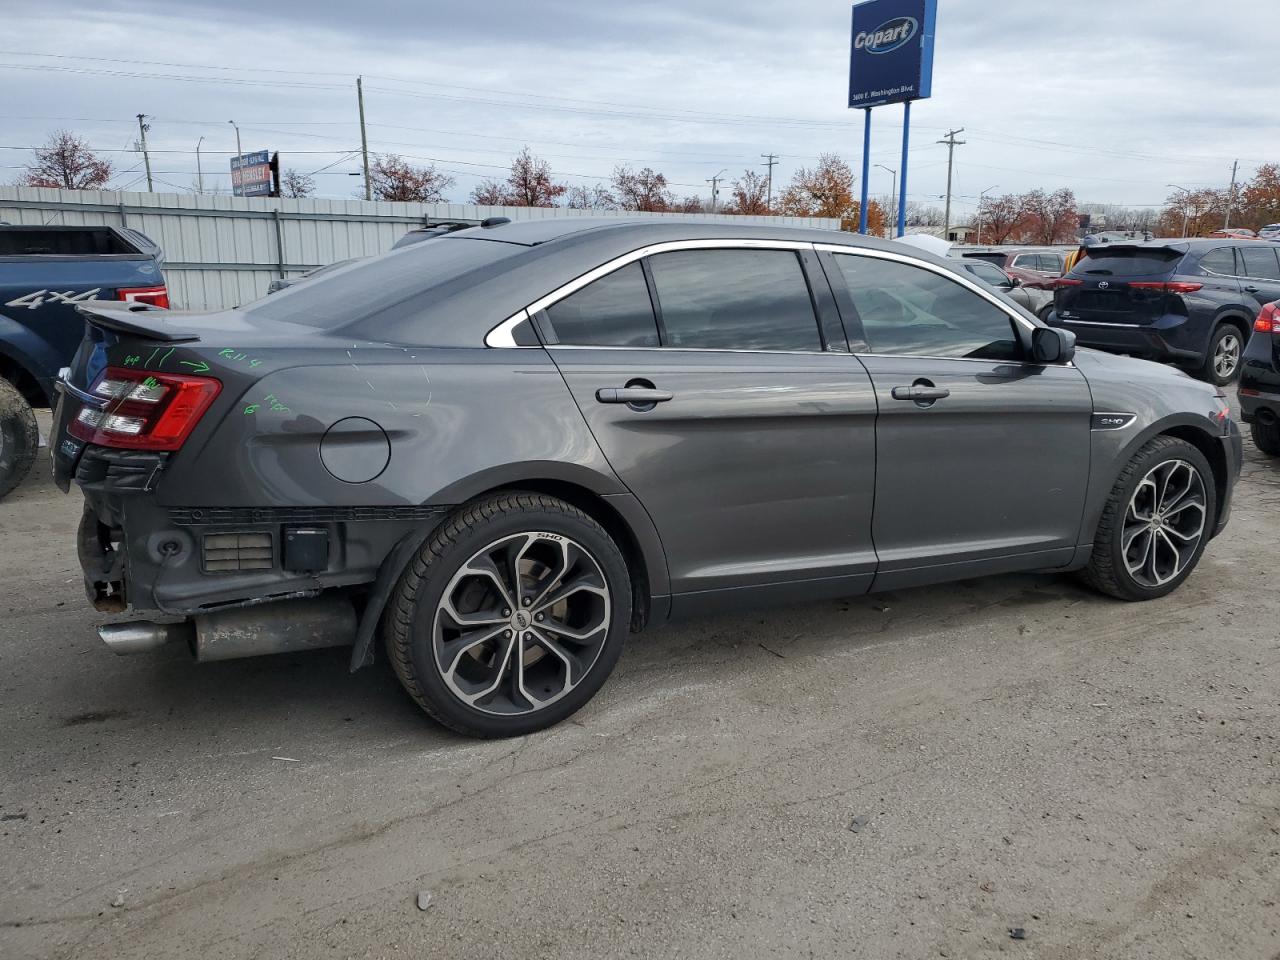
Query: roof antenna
[[494, 221]]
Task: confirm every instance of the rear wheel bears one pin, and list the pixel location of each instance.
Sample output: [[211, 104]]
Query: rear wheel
[[1156, 522], [19, 437], [1266, 437], [1222, 361], [511, 616]]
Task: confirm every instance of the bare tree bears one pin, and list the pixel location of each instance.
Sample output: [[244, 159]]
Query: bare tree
[[528, 185], [296, 185], [394, 179], [591, 198], [645, 190], [66, 161], [489, 193]]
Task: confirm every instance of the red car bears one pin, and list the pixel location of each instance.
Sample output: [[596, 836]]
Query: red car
[[1035, 267]]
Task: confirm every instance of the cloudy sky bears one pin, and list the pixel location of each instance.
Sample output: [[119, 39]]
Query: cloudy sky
[[1112, 98]]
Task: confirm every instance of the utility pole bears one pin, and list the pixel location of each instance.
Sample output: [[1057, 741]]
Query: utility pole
[[715, 189], [199, 169], [770, 161], [143, 127], [364, 139], [951, 142], [893, 192], [1231, 195]]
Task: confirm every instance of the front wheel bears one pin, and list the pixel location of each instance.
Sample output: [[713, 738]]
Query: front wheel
[[511, 616], [1156, 522], [1222, 361], [19, 437], [1266, 437]]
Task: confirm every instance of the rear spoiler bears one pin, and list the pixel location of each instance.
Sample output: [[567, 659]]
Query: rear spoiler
[[135, 319]]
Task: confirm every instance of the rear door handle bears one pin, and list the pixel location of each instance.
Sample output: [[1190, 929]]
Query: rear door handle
[[636, 395], [920, 394]]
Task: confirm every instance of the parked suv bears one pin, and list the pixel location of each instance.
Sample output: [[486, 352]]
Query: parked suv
[[1035, 267], [1190, 302], [1260, 381]]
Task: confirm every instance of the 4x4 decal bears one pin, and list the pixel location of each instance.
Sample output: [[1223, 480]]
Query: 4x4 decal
[[40, 297]]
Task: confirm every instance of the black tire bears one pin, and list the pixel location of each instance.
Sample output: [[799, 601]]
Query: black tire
[[19, 437], [409, 624], [1107, 570], [1209, 369], [1266, 437]]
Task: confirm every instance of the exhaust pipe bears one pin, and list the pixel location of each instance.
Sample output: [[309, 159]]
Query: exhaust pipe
[[285, 626], [142, 635]]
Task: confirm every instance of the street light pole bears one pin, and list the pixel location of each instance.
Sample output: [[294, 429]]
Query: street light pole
[[199, 169], [978, 241], [239, 152], [1185, 211], [893, 190]]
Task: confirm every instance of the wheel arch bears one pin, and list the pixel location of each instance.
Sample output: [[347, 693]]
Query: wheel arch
[[602, 499]]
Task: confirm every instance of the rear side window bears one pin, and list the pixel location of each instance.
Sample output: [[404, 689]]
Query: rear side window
[[1260, 262], [910, 311], [1050, 263], [734, 300], [614, 311], [1132, 262], [1221, 260]]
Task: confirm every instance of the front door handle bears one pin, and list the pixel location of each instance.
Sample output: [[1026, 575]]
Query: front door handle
[[1251, 288], [920, 392], [641, 396]]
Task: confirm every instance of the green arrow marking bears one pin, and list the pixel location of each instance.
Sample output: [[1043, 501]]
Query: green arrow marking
[[200, 367]]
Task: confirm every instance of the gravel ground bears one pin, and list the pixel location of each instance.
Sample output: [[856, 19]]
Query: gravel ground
[[1017, 753]]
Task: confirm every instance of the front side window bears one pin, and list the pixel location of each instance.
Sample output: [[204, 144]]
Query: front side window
[[1260, 262], [1026, 261], [1221, 260], [614, 311], [1050, 263], [907, 310], [989, 273], [734, 300]]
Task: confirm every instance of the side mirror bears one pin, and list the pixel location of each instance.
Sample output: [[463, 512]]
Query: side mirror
[[1014, 282], [1052, 345]]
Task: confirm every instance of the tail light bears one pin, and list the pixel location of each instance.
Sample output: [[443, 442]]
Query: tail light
[[144, 411], [1268, 319], [1060, 282], [1166, 286], [155, 296]]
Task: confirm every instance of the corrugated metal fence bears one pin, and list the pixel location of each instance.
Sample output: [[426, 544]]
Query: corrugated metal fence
[[223, 251]]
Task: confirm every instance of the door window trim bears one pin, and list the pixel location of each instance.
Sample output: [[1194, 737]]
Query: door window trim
[[502, 336]]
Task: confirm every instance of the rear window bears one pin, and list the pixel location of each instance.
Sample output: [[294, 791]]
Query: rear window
[[337, 297], [1127, 263]]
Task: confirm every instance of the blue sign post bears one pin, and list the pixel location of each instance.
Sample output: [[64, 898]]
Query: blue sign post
[[890, 61]]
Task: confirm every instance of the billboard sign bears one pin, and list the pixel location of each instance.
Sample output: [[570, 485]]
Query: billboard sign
[[251, 174], [891, 52]]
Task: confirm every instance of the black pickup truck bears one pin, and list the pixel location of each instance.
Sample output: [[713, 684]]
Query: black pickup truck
[[44, 272]]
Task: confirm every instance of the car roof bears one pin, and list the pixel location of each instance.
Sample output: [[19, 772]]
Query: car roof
[[654, 230]]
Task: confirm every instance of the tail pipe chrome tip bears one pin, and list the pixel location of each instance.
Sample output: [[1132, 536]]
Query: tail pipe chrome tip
[[142, 635]]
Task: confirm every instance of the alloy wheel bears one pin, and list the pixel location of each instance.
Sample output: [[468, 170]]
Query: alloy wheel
[[521, 623], [1226, 356], [1164, 523]]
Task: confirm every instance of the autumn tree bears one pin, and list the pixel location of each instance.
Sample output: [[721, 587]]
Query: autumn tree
[[528, 185], [65, 161], [590, 198], [689, 205], [999, 218], [824, 191], [1259, 199], [877, 217], [1193, 213], [750, 195], [646, 190], [1049, 217], [394, 179], [296, 185]]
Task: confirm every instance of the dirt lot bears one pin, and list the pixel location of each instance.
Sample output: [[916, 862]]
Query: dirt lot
[[1025, 755]]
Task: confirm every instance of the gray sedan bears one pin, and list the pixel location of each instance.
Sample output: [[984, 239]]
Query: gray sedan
[[505, 451]]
